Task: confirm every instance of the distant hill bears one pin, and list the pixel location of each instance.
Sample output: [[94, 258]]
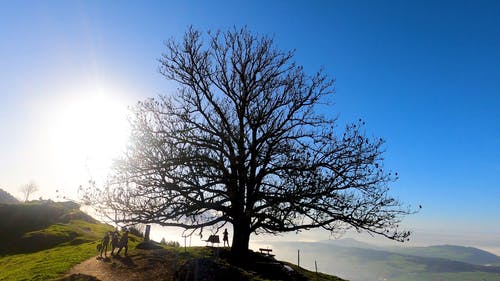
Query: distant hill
[[452, 252], [38, 225], [7, 198], [350, 242], [41, 240], [362, 263]]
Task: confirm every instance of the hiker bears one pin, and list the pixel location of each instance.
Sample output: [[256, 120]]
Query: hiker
[[104, 244], [225, 238], [123, 243], [114, 242]]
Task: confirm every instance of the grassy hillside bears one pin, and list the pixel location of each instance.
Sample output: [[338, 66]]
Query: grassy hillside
[[257, 267], [40, 225], [44, 265], [177, 263], [44, 239]]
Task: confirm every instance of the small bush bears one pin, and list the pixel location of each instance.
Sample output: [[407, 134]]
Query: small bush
[[135, 230], [169, 243]]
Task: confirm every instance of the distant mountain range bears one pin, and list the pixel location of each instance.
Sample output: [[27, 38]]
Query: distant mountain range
[[452, 252], [357, 261], [458, 253], [7, 198]]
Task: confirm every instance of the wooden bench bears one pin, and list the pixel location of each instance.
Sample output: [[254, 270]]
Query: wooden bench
[[213, 239], [266, 252]]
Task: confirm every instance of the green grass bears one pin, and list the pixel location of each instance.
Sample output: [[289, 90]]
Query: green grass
[[54, 262], [45, 265], [46, 239], [196, 252]]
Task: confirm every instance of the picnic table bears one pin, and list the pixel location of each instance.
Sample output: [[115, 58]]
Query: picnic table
[[266, 251]]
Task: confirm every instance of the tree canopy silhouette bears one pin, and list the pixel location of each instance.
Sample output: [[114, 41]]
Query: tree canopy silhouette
[[242, 142]]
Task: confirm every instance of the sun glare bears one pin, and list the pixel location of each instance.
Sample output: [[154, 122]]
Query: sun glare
[[86, 136]]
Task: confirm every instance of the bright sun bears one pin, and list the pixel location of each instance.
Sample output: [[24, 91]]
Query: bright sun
[[87, 135]]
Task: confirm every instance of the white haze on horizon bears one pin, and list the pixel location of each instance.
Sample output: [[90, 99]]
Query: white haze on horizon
[[484, 241]]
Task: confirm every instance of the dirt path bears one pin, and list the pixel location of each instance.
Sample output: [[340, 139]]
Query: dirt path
[[139, 266]]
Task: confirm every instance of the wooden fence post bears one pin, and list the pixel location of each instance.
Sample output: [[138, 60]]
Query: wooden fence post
[[298, 257]]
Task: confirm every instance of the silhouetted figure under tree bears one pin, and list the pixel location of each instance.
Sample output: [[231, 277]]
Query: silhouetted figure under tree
[[123, 243], [114, 242], [225, 237], [104, 244]]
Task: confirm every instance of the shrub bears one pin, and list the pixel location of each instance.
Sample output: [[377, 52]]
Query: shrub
[[136, 230], [169, 243]]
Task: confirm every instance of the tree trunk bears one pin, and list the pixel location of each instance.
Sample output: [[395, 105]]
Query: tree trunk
[[241, 239]]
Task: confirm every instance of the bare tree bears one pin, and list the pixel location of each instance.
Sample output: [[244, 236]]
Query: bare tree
[[28, 189], [242, 143]]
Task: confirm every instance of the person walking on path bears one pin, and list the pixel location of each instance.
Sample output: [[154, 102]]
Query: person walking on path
[[123, 243], [225, 237], [114, 242], [104, 244]]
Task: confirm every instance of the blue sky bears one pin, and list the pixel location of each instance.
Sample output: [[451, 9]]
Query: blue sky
[[423, 74]]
